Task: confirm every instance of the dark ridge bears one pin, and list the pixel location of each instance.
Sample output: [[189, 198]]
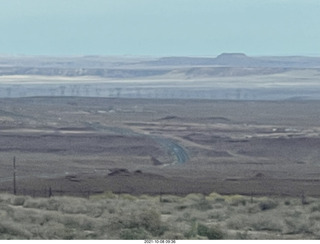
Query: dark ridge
[[169, 118], [218, 118], [119, 171]]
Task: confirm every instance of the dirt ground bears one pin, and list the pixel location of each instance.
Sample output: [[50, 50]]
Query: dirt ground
[[82, 146]]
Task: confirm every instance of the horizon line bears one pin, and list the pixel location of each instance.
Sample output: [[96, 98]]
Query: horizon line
[[152, 56]]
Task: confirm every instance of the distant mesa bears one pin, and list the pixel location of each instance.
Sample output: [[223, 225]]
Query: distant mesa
[[232, 58]]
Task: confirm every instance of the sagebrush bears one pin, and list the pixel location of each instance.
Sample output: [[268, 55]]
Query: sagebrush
[[123, 216]]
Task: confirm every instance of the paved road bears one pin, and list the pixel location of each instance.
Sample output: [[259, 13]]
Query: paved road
[[177, 151], [179, 154]]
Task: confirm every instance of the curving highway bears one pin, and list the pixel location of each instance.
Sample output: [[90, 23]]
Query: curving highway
[[178, 152]]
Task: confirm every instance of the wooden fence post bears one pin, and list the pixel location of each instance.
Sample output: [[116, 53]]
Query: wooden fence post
[[14, 176]]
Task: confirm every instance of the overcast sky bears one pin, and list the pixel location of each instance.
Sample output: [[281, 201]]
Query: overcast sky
[[159, 27]]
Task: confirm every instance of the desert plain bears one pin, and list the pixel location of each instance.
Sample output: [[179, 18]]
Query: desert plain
[[232, 125], [89, 145]]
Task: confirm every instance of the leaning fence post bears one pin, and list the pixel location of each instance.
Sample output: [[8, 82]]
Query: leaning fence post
[[50, 192], [14, 176]]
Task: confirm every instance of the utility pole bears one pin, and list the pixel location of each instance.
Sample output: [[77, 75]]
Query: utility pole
[[14, 176]]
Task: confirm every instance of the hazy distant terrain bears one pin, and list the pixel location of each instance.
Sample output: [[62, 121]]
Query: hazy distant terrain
[[165, 133], [244, 117], [228, 76]]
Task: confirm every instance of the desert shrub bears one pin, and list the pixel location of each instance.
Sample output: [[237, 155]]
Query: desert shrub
[[74, 206], [217, 198], [128, 197], [236, 200], [193, 197], [197, 230], [220, 199], [212, 233], [147, 219], [267, 204], [169, 199], [51, 216], [202, 205], [238, 222], [127, 217], [134, 234], [53, 204], [181, 207], [80, 222], [112, 210], [315, 207], [287, 202], [29, 217], [69, 234], [258, 222], [54, 230], [73, 209], [12, 230], [220, 205], [215, 233], [86, 223], [218, 215], [36, 203], [202, 230], [242, 235], [294, 213], [5, 198], [17, 200], [151, 221], [106, 207], [105, 195], [265, 223], [253, 208], [315, 216], [193, 231], [297, 225], [315, 228], [175, 226], [185, 216], [94, 210], [166, 211], [145, 197], [3, 213], [69, 221]]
